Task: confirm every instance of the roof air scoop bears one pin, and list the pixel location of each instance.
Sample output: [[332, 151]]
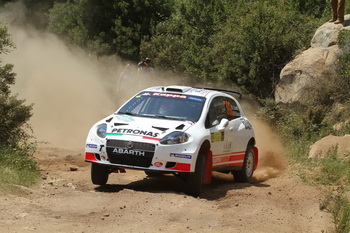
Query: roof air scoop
[[181, 89]]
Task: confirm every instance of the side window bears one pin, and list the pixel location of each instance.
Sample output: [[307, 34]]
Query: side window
[[217, 111], [232, 109]]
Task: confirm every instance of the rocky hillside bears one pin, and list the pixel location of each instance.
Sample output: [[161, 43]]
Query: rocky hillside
[[316, 63], [313, 67]]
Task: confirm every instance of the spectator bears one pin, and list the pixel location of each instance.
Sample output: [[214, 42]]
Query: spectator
[[124, 78], [338, 8], [146, 65]]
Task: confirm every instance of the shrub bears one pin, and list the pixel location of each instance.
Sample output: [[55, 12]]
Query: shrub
[[16, 164], [14, 114], [344, 45], [342, 214], [17, 167]]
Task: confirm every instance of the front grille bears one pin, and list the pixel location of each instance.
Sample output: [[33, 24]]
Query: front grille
[[130, 153], [136, 145]]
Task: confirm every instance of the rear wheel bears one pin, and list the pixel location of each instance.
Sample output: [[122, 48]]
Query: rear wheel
[[246, 173], [99, 174], [194, 181]]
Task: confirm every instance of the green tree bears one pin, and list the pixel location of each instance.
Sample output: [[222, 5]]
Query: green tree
[[108, 26], [136, 20], [67, 21], [257, 41], [244, 42], [14, 114], [317, 8], [181, 43]]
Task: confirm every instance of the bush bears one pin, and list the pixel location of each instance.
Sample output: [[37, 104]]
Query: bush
[[317, 8], [14, 114], [17, 167], [342, 214], [344, 45], [16, 164], [335, 172]]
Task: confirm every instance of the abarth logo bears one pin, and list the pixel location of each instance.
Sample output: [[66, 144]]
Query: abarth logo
[[128, 152]]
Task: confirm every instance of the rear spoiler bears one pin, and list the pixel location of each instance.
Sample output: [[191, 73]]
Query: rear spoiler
[[235, 93]]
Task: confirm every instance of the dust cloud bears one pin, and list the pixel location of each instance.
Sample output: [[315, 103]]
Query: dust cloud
[[272, 160], [72, 89], [66, 87]]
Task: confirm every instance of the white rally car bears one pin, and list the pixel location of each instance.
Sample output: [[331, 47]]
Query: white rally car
[[187, 131]]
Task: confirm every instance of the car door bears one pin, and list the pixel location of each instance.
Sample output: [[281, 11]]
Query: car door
[[234, 117], [216, 113], [235, 144]]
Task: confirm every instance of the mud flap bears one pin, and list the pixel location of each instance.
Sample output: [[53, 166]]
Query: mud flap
[[208, 168], [256, 157]]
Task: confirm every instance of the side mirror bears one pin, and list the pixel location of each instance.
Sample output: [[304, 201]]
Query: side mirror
[[223, 124]]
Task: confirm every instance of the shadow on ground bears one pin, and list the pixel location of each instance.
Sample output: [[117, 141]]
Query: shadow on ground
[[218, 188]]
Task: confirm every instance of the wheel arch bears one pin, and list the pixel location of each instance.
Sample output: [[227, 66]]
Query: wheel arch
[[205, 151], [205, 147], [252, 143]]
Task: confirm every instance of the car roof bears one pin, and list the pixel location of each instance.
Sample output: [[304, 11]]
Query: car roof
[[196, 91]]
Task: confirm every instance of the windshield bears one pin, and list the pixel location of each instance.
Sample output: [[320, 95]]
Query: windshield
[[164, 105]]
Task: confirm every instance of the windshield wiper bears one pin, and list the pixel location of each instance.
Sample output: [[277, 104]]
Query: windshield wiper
[[154, 115], [171, 117], [128, 113]]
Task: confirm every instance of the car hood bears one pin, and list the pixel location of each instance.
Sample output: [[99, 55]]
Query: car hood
[[144, 126]]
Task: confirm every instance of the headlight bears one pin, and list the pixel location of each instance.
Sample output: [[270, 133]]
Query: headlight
[[175, 138], [101, 130]]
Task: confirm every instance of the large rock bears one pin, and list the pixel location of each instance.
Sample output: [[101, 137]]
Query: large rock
[[327, 34], [298, 76], [316, 63], [321, 148]]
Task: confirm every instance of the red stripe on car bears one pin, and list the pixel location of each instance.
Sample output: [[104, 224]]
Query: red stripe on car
[[149, 138], [90, 157], [185, 167]]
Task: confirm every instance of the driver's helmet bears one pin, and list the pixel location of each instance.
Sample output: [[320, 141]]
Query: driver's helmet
[[165, 108]]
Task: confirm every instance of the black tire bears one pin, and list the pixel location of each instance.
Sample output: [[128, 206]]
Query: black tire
[[99, 174], [194, 181], [153, 174], [246, 173]]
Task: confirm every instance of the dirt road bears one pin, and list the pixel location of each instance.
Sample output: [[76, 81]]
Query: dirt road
[[66, 201]]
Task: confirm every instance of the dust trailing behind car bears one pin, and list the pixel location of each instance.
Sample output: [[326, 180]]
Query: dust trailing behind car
[[187, 131], [272, 154]]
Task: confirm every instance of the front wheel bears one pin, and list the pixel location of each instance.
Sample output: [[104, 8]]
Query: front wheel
[[246, 173], [194, 181], [99, 174]]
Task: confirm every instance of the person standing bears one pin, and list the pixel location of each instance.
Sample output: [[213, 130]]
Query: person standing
[[145, 73], [145, 65], [338, 8]]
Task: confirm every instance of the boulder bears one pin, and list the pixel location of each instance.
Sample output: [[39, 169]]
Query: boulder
[[321, 148], [339, 126], [300, 74], [315, 63], [327, 34]]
